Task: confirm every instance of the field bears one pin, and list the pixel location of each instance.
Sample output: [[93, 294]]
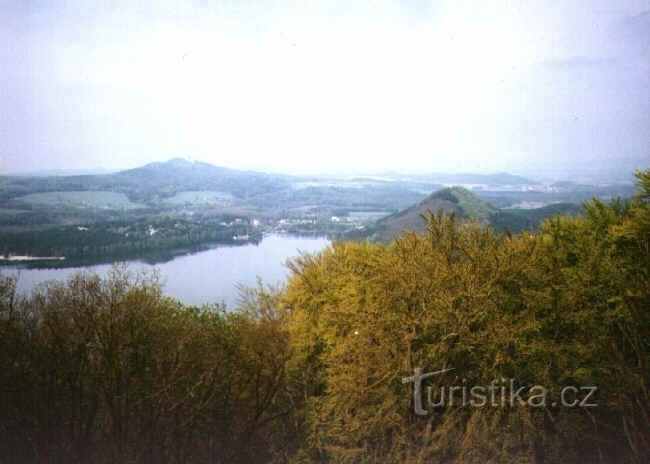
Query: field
[[77, 199], [200, 197]]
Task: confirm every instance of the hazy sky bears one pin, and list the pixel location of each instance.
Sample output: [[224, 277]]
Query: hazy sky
[[325, 86]]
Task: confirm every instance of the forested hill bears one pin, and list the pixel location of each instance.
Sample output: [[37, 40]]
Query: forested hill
[[153, 181], [178, 174], [458, 200], [466, 205]]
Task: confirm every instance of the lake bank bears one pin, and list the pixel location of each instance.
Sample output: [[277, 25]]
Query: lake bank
[[207, 276]]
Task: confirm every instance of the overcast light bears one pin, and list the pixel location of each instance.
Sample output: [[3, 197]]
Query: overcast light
[[325, 86]]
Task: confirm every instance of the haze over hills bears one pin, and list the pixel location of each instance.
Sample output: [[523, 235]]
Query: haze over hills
[[168, 178], [181, 183], [59, 172], [182, 204], [152, 181], [497, 179]]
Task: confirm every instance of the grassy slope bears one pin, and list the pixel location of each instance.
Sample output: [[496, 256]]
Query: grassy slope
[[78, 199]]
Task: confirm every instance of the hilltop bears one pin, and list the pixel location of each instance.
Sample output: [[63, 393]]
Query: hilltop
[[152, 181], [467, 206], [459, 200]]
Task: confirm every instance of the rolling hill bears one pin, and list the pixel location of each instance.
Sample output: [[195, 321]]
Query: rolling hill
[[153, 181], [177, 175]]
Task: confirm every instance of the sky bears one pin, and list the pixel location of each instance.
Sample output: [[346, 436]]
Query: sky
[[326, 86]]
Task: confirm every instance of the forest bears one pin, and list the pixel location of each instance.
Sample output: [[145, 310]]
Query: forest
[[112, 370], [153, 238]]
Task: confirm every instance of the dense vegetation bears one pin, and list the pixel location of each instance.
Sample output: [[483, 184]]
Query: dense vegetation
[[519, 220], [155, 237], [110, 370]]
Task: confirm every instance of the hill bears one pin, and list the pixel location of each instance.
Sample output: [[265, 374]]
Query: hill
[[468, 206], [165, 179], [459, 200], [153, 181]]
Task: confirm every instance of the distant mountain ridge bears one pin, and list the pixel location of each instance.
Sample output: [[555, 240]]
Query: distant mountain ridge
[[500, 178], [179, 174], [177, 186], [155, 180]]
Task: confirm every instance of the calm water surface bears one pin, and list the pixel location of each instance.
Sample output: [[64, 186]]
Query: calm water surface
[[205, 277]]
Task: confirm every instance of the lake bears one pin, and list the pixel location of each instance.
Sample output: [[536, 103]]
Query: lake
[[208, 276]]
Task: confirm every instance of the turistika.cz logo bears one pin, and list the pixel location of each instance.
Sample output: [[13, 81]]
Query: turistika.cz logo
[[499, 393]]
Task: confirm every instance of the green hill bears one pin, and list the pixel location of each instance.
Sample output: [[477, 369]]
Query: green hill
[[152, 182], [459, 200], [468, 206]]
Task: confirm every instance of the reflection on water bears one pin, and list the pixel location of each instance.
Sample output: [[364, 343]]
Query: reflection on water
[[204, 277]]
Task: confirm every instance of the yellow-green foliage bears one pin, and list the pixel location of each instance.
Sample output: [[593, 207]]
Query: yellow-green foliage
[[567, 306], [110, 370]]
